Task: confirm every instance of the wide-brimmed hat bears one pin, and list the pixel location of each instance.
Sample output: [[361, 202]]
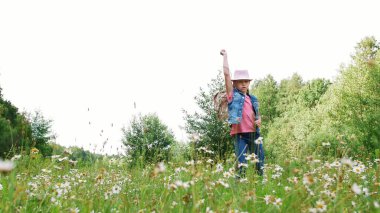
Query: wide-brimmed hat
[[241, 75]]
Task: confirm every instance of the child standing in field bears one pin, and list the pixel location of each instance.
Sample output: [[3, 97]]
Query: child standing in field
[[243, 117]]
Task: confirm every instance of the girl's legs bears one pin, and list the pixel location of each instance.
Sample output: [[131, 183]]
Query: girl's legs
[[241, 147], [259, 152]]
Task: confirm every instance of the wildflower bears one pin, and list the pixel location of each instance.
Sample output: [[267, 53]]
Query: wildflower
[[357, 169], [62, 159], [1, 187], [16, 157], [313, 210], [243, 180], [6, 166], [321, 206], [356, 189], [251, 195], [335, 164], [243, 165], [34, 150], [107, 195], [229, 173], [208, 210], [293, 180], [160, 168], [308, 179], [287, 188], [277, 202], [259, 140], [219, 168], [347, 161], [376, 204], [200, 202], [269, 199], [46, 170], [377, 160], [116, 189], [76, 210], [366, 192], [209, 161], [190, 163], [311, 193], [221, 182], [53, 200], [73, 162], [184, 185], [57, 167], [326, 144]]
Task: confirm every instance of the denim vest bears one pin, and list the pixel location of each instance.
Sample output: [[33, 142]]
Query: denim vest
[[235, 107]]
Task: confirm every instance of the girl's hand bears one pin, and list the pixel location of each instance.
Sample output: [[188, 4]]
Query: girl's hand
[[223, 52], [258, 122]]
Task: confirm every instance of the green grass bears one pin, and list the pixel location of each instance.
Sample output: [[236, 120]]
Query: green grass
[[39, 184]]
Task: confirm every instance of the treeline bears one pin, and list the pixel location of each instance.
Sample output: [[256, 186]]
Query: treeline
[[339, 118]]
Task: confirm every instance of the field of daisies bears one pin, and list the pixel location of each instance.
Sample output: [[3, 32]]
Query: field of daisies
[[32, 183]]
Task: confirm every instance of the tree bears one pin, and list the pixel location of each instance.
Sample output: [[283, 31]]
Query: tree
[[312, 91], [357, 92], [148, 139], [266, 90], [213, 132], [15, 130], [41, 133], [288, 92]]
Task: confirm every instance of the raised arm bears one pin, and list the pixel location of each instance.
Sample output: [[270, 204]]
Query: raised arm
[[226, 71]]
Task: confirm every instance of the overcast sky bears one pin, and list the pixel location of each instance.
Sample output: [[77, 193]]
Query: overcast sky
[[90, 61]]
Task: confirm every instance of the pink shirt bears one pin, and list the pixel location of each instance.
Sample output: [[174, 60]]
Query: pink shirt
[[248, 117]]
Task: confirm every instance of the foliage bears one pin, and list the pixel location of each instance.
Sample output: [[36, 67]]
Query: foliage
[[41, 133], [288, 92], [15, 130], [205, 128], [266, 90], [320, 112], [147, 139], [310, 93], [357, 100]]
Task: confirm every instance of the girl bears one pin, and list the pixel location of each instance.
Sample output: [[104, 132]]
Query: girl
[[243, 117]]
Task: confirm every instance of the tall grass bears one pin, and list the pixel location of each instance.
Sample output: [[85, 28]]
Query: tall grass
[[309, 184]]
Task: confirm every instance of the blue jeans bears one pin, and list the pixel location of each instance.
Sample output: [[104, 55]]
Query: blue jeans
[[245, 144]]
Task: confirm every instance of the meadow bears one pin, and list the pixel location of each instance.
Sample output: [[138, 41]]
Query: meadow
[[33, 183], [322, 146]]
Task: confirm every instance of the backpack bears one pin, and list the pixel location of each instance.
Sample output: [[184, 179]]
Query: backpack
[[221, 105]]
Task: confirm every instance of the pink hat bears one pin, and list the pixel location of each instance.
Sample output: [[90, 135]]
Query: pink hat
[[241, 75]]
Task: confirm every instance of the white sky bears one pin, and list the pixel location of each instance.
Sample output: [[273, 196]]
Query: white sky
[[63, 57]]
